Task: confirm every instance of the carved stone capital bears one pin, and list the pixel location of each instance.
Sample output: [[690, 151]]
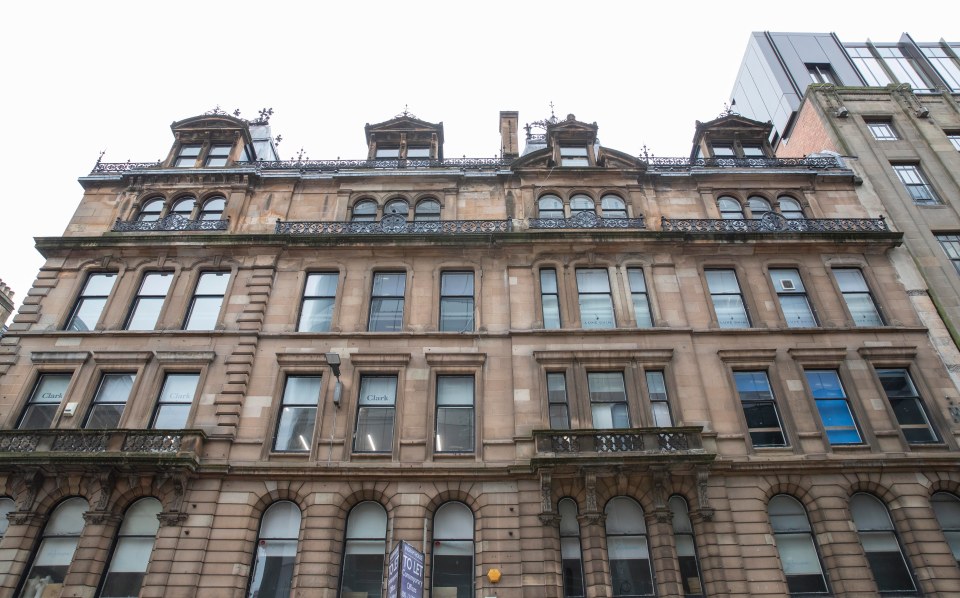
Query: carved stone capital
[[550, 519], [171, 519], [662, 515], [24, 517], [102, 518], [594, 518]]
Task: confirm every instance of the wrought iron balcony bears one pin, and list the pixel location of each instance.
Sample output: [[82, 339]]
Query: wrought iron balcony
[[101, 447], [771, 222], [173, 222], [685, 164], [394, 224], [588, 220], [637, 443]]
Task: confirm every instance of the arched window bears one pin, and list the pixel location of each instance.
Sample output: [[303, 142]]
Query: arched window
[[790, 208], [397, 206], [453, 551], [946, 506], [428, 210], [758, 206], [686, 548], [881, 545], [272, 574], [613, 207], [550, 206], [184, 207], [364, 552], [151, 210], [580, 203], [364, 211], [7, 506], [570, 553], [627, 549], [213, 208], [795, 543], [57, 545], [131, 553], [730, 208]]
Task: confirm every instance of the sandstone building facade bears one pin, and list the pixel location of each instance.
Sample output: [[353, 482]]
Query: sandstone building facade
[[566, 372]]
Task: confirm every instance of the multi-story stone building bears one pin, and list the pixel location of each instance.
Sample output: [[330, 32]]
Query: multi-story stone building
[[566, 372], [891, 109]]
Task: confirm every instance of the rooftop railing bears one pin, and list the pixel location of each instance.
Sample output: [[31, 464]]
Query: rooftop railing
[[653, 164]]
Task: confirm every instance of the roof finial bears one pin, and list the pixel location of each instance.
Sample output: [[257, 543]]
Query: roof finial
[[728, 109], [406, 112], [264, 118], [552, 115]]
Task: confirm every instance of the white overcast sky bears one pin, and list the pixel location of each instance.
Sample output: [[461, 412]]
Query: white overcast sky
[[82, 77]]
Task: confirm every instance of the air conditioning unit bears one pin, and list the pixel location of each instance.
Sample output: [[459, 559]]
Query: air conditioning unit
[[787, 285]]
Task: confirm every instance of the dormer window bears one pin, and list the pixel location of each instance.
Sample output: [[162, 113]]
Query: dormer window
[[419, 152], [218, 154], [187, 156], [752, 151], [388, 153], [723, 150], [573, 155]]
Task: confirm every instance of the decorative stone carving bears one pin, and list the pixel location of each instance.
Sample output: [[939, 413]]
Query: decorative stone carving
[[28, 485], [170, 519], [102, 518]]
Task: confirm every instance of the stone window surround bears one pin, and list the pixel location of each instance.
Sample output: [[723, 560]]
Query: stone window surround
[[575, 365], [765, 360]]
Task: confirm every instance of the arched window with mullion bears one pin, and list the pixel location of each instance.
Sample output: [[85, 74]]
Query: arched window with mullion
[[797, 548], [730, 208], [49, 565], [364, 550], [571, 554], [151, 210], [184, 206], [581, 203], [427, 210], [686, 548], [276, 552], [132, 549], [880, 542], [453, 550], [631, 573], [364, 211], [549, 206], [946, 507]]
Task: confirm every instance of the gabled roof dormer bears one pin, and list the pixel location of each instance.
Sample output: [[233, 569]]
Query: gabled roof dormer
[[211, 140], [570, 143], [404, 137], [732, 136]]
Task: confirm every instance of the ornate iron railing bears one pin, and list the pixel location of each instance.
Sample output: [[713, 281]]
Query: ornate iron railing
[[394, 224], [653, 164], [335, 165], [172, 222], [588, 220], [630, 440], [681, 164], [771, 222], [112, 167], [101, 443]]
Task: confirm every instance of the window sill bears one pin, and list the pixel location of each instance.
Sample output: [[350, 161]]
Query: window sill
[[470, 455]]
